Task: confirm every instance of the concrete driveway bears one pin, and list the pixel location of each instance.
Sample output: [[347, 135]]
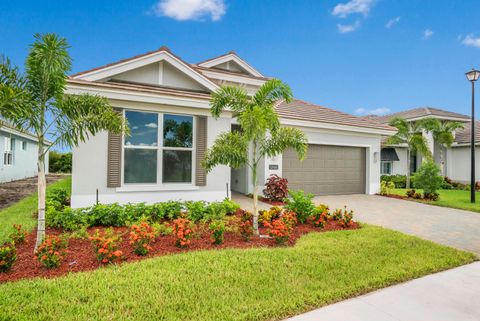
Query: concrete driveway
[[456, 228]]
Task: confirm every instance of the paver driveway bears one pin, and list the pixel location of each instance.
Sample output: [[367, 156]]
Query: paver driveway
[[457, 228]]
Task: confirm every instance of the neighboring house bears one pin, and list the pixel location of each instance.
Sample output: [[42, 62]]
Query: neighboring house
[[166, 102], [456, 159], [19, 152]]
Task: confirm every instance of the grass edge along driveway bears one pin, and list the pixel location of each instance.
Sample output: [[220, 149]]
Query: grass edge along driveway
[[22, 211], [458, 199], [234, 284]]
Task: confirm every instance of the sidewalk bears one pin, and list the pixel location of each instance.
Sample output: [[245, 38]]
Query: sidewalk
[[453, 295]]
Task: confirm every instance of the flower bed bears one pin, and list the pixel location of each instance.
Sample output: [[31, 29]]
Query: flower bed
[[80, 256]]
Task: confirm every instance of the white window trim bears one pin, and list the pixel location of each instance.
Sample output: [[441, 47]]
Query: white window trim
[[381, 167], [8, 151], [159, 185]]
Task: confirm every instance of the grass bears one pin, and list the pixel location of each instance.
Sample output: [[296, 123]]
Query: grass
[[450, 198], [234, 284], [22, 211]]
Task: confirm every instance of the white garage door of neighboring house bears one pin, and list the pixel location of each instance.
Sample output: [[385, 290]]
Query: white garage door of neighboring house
[[327, 170]]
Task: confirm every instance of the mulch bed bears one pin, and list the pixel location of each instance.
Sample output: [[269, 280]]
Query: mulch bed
[[273, 203], [80, 255], [12, 192], [400, 197]]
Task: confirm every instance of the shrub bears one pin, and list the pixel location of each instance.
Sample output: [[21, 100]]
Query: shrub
[[279, 230], [276, 188], [267, 216], [141, 236], [170, 209], [8, 256], [410, 193], [105, 245], [162, 229], [337, 214], [432, 196], [246, 229], [400, 181], [59, 195], [386, 188], [196, 210], [301, 204], [18, 234], [51, 251], [289, 218], [347, 218], [182, 230], [417, 196], [428, 177], [320, 216], [60, 162], [217, 228]]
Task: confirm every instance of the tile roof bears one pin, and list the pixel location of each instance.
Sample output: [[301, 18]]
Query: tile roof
[[462, 136], [302, 110], [422, 112]]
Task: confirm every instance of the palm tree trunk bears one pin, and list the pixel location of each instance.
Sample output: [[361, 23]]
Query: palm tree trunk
[[442, 166], [408, 168], [42, 187], [255, 190]]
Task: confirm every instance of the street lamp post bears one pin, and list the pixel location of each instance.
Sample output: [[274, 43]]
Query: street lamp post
[[472, 76]]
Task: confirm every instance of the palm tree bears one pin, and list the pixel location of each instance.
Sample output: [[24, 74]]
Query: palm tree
[[260, 129], [443, 134], [410, 134], [36, 102]]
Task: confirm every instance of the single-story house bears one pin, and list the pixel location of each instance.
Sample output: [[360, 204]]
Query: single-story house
[[19, 153], [166, 103], [455, 162]]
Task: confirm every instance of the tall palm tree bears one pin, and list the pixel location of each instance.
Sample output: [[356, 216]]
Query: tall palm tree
[[36, 102], [260, 129], [411, 135], [443, 134]]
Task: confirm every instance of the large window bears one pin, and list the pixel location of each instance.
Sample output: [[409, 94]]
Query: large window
[[150, 157], [386, 167]]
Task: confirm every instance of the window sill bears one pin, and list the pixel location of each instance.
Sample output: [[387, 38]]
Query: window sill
[[156, 188]]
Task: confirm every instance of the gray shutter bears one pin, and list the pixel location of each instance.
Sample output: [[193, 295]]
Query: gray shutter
[[201, 147], [114, 160]]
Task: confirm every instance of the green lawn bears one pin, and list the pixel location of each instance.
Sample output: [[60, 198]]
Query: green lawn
[[254, 284], [450, 198], [22, 211]]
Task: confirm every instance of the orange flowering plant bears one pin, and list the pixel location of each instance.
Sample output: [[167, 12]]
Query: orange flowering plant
[[8, 255], [106, 246], [18, 234], [347, 218], [141, 236], [278, 230], [51, 251], [320, 216], [182, 229]]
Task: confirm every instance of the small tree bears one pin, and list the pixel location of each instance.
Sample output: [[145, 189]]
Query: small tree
[[410, 134], [443, 134], [36, 101], [428, 178], [260, 130]]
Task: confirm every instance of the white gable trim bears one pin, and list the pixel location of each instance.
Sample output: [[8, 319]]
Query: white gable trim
[[231, 57], [109, 71], [233, 78]]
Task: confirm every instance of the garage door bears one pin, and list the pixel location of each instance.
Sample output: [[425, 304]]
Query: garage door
[[327, 170]]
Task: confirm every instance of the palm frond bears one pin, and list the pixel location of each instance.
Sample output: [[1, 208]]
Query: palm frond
[[283, 138], [232, 97], [229, 149], [272, 91]]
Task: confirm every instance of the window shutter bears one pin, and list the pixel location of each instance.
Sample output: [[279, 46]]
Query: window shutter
[[201, 146], [114, 160]]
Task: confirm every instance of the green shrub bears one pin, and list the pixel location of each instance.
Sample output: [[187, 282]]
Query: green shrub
[[170, 209], [8, 256], [428, 178], [59, 162], [217, 228], [386, 188], [301, 204], [196, 210], [400, 181]]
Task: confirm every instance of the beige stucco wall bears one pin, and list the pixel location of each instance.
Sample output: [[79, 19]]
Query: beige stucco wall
[[458, 163]]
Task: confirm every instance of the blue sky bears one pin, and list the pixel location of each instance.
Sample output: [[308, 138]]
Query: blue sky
[[357, 56]]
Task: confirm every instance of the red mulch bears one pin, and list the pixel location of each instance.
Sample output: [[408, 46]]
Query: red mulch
[[400, 197], [80, 255], [274, 203]]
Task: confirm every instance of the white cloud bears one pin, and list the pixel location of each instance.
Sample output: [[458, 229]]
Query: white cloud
[[427, 33], [343, 10], [151, 125], [348, 28], [376, 111], [471, 41], [392, 22], [190, 9]]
